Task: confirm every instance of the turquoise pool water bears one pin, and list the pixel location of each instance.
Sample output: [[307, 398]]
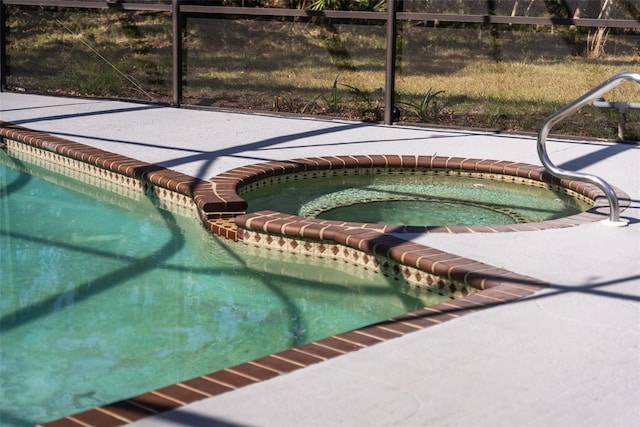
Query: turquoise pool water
[[415, 199], [103, 297]]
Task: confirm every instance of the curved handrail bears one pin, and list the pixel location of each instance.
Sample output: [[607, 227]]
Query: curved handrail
[[614, 213]]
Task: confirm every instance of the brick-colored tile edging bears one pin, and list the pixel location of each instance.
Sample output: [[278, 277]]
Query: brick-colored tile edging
[[229, 185], [200, 191], [221, 200], [500, 286], [382, 241]]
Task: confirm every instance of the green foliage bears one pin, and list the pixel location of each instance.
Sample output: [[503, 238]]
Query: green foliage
[[361, 5], [358, 99], [331, 103], [427, 108], [366, 106]]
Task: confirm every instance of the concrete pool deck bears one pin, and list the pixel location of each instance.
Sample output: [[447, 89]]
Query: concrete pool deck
[[569, 355]]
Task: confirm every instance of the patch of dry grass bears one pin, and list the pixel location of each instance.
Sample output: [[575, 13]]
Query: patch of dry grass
[[511, 79]]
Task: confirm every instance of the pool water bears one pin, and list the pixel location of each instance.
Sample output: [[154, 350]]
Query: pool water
[[417, 200], [103, 297], [422, 212]]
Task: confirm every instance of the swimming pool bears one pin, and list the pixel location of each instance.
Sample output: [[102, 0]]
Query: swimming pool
[[317, 190], [421, 198], [105, 296], [338, 244]]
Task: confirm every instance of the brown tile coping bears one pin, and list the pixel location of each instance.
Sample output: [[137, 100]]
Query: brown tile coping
[[202, 192], [235, 180], [220, 202], [176, 395]]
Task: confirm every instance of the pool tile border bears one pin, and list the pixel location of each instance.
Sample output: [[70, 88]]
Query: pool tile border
[[231, 184], [174, 396], [219, 202], [163, 181]]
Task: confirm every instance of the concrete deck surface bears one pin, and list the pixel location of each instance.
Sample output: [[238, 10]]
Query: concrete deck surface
[[568, 356]]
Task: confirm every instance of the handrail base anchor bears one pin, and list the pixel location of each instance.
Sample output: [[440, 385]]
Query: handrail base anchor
[[619, 223]]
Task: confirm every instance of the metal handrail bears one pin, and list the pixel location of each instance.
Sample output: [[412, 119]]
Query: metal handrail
[[598, 91]]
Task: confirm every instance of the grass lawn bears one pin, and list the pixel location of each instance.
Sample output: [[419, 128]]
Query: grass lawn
[[502, 78]]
